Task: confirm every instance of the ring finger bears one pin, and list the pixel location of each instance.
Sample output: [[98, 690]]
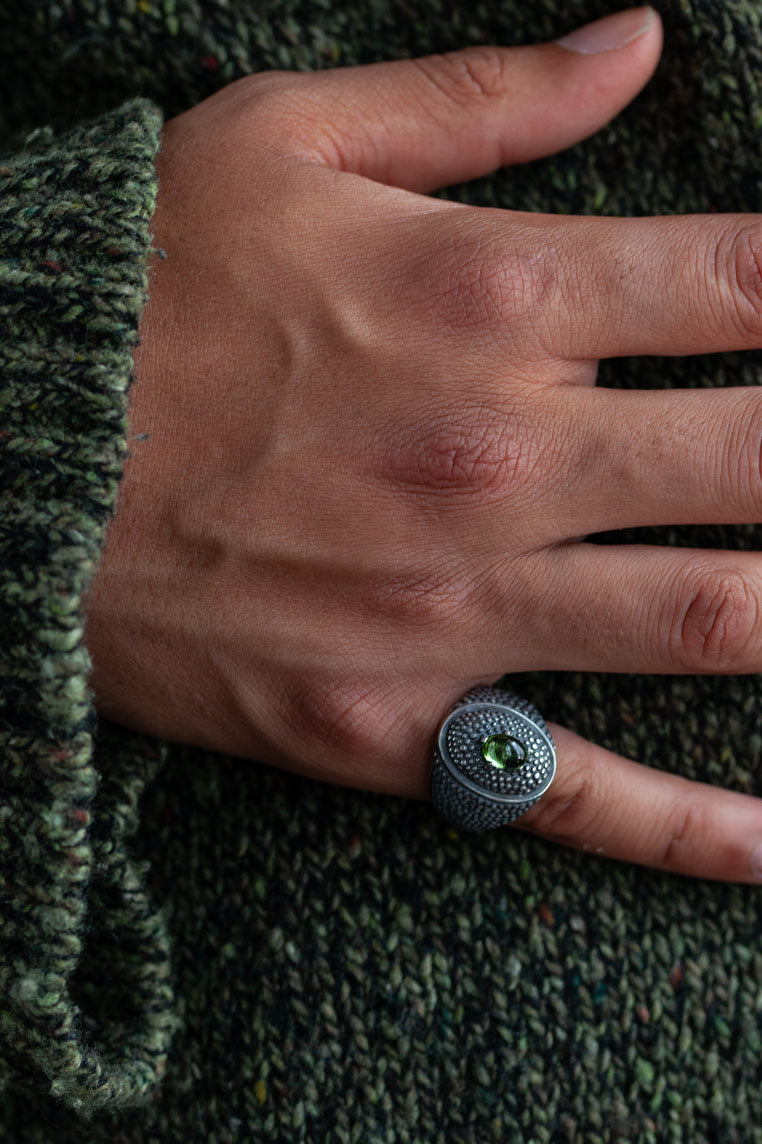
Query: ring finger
[[631, 608], [610, 805]]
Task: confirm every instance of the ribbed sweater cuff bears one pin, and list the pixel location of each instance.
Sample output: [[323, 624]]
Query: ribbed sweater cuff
[[85, 1002]]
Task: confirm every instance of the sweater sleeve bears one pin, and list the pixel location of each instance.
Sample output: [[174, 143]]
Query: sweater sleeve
[[86, 1006]]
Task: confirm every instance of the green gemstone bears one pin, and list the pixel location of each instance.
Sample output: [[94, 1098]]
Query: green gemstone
[[504, 752]]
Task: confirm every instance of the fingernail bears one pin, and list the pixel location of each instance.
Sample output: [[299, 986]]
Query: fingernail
[[756, 862], [609, 33]]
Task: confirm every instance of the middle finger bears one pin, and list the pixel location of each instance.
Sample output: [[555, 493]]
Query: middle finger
[[656, 457]]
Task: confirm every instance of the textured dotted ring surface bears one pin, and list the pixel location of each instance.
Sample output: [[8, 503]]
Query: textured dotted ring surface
[[493, 759]]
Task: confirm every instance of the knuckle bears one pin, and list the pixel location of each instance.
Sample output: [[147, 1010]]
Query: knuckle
[[738, 270], [418, 602], [749, 479], [482, 287], [468, 450], [470, 73], [686, 827], [333, 718], [715, 622], [738, 458]]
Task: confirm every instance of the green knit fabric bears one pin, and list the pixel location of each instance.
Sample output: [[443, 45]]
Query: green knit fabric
[[74, 213], [196, 948]]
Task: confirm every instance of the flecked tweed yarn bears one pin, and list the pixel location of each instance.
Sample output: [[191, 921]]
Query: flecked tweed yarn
[[74, 224], [195, 948]]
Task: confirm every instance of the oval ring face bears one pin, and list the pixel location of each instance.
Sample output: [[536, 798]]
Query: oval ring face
[[496, 751], [493, 759]]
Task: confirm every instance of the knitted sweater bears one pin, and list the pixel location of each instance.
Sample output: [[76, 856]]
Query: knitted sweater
[[201, 948]]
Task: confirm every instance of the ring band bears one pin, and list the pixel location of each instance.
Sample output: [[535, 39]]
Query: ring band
[[493, 759]]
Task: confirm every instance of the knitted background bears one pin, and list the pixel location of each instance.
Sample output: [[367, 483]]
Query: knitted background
[[344, 966]]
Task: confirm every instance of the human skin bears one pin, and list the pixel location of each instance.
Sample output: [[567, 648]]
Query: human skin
[[375, 445]]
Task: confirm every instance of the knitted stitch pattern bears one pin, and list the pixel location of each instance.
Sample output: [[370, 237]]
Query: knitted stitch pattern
[[74, 214], [345, 967]]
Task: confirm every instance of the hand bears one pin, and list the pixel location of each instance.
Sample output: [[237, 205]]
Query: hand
[[375, 443]]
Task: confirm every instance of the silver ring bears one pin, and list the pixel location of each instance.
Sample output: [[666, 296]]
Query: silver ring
[[493, 759]]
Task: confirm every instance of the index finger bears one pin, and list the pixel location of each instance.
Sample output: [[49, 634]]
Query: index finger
[[594, 287]]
